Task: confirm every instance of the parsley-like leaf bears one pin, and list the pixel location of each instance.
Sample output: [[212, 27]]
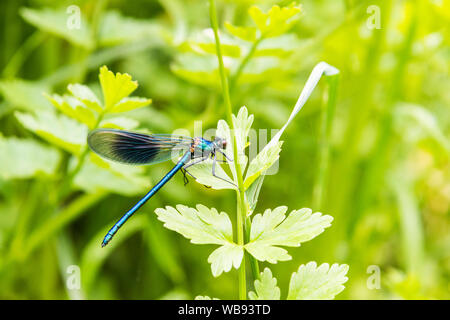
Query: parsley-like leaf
[[266, 287], [273, 229], [317, 283]]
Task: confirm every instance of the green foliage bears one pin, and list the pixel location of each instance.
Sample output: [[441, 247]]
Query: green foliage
[[113, 27], [276, 21], [25, 95], [254, 54], [312, 282], [370, 148], [201, 225], [273, 229], [26, 158], [58, 130], [266, 287], [55, 21], [267, 231]]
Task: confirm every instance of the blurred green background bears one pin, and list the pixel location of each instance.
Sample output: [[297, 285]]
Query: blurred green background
[[387, 186]]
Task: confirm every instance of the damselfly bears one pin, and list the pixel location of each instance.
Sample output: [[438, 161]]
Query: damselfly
[[137, 148]]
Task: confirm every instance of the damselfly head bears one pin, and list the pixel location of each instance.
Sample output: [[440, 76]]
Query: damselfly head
[[220, 142]]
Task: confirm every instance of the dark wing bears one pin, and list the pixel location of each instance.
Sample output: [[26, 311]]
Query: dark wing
[[136, 148]]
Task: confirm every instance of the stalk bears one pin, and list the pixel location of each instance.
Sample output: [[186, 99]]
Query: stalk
[[324, 144], [241, 208]]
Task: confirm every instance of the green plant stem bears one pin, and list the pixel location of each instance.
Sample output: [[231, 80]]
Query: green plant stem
[[324, 143], [253, 262], [240, 193]]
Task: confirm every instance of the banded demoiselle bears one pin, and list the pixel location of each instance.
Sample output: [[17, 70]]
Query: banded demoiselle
[[140, 149]]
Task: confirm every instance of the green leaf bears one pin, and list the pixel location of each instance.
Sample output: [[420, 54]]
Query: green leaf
[[242, 125], [73, 108], [317, 283], [260, 18], [225, 257], [199, 70], [116, 29], [252, 193], [276, 21], [263, 69], [128, 104], [201, 225], [97, 174], [25, 158], [244, 33], [56, 22], [203, 175], [262, 162], [205, 226], [85, 95], [56, 129], [86, 116], [273, 229], [115, 87], [26, 95], [204, 43], [203, 171], [281, 46], [266, 287]]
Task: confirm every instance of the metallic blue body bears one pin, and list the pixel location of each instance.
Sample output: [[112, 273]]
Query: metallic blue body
[[185, 159]]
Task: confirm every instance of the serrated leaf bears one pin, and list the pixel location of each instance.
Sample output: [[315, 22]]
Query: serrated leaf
[[203, 171], [201, 225], [26, 95], [115, 87], [259, 17], [242, 125], [273, 229], [130, 103], [225, 257], [317, 283], [266, 287], [24, 158], [244, 33], [276, 21], [73, 108], [203, 175], [56, 129], [85, 95], [58, 22]]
